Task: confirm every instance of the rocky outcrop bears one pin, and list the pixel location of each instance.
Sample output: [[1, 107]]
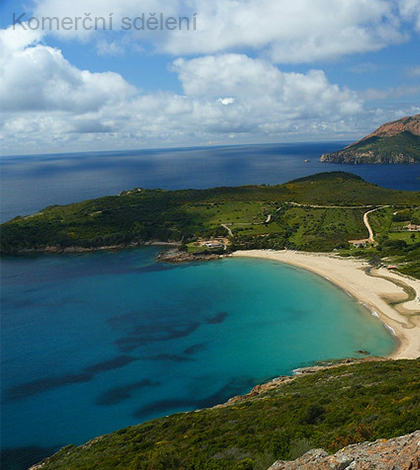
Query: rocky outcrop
[[410, 124], [179, 256], [393, 142], [401, 453], [371, 156]]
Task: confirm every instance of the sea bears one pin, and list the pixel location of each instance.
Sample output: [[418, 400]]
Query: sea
[[91, 343]]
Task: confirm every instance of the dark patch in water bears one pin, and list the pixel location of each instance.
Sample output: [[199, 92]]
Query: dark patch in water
[[219, 318], [112, 364], [27, 389], [124, 320], [169, 357], [155, 268], [163, 405], [232, 388], [149, 334], [195, 348], [119, 394], [13, 303], [21, 458]]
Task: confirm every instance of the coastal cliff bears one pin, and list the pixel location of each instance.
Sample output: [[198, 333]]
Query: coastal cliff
[[393, 142]]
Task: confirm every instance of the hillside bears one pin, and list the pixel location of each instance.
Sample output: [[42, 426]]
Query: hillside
[[383, 454], [393, 142], [142, 215], [317, 213], [330, 408]]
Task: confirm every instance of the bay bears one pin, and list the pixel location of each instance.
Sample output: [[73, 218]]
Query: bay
[[95, 342], [92, 343]]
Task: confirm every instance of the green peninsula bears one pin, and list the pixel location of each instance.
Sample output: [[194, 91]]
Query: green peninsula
[[323, 212]]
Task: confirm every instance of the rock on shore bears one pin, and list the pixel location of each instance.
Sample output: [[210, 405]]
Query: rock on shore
[[178, 256], [401, 453]]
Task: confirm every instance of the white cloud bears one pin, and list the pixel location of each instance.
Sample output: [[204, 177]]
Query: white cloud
[[12, 41], [112, 11], [260, 87], [292, 31], [226, 101], [413, 71], [410, 10], [47, 103], [38, 77], [286, 31]]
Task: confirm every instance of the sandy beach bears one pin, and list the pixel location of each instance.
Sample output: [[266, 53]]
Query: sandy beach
[[393, 297]]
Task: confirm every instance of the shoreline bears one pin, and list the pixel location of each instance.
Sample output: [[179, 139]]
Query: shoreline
[[383, 293]]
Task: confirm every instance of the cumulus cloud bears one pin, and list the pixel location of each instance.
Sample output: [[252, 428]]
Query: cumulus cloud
[[287, 31], [47, 103], [259, 86], [293, 32], [46, 99], [112, 11], [226, 101], [37, 77]]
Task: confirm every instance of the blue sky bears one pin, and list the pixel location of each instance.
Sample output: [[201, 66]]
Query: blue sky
[[252, 71]]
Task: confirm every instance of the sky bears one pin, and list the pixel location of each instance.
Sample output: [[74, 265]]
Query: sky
[[229, 72]]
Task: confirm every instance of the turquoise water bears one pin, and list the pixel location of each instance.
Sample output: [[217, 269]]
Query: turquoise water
[[92, 343]]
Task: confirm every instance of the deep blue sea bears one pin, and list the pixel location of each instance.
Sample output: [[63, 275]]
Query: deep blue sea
[[30, 183], [95, 342]]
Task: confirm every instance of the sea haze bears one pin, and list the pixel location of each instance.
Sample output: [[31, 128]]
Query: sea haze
[[92, 343], [30, 183]]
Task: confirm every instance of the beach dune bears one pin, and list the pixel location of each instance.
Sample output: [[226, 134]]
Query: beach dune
[[393, 297]]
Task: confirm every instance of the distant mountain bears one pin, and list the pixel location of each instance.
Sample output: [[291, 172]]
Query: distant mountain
[[394, 142]]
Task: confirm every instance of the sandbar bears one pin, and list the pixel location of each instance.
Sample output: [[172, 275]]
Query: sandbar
[[393, 297]]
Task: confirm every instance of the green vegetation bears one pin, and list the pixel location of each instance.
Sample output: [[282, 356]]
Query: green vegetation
[[400, 148], [387, 148], [304, 228], [330, 409], [318, 213], [396, 244]]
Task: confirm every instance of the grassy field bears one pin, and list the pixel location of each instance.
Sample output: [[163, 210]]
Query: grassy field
[[318, 213], [329, 409]]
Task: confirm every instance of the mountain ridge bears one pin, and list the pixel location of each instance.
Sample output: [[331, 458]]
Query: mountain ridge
[[393, 142]]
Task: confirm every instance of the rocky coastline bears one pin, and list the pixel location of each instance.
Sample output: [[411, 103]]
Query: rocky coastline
[[402, 453], [176, 255], [355, 157], [53, 249]]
